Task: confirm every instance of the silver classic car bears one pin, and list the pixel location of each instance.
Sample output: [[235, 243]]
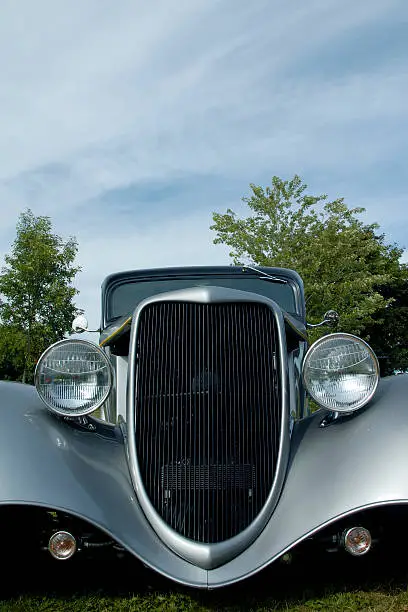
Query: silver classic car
[[204, 436]]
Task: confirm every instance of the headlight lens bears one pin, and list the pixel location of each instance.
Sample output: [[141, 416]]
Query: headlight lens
[[341, 372], [73, 377]]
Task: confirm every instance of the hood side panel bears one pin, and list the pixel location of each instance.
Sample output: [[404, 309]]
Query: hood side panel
[[46, 462], [351, 464]]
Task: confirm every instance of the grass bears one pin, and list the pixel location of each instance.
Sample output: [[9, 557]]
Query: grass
[[353, 584], [376, 602]]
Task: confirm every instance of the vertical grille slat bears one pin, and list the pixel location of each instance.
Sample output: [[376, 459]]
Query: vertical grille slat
[[207, 414]]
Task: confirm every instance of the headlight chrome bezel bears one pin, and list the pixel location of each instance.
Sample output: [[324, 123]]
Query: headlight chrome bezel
[[66, 412], [342, 408]]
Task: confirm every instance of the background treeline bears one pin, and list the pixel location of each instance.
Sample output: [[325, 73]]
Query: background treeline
[[345, 264]]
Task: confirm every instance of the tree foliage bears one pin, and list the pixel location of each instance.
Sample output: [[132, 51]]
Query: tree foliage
[[345, 264], [37, 305], [388, 335], [12, 351]]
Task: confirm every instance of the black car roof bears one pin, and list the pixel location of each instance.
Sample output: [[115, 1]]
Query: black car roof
[[196, 271], [118, 277]]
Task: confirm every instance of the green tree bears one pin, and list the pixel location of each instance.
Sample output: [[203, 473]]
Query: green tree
[[345, 264], [12, 345], [388, 335], [36, 286]]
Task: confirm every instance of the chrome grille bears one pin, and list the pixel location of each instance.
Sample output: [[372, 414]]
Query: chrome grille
[[208, 414]]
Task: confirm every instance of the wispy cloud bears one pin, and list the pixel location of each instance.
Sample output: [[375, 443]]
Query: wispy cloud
[[130, 122]]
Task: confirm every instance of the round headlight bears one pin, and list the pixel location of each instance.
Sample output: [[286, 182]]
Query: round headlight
[[341, 372], [73, 377]]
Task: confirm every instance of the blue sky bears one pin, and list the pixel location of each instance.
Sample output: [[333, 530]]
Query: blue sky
[[129, 123]]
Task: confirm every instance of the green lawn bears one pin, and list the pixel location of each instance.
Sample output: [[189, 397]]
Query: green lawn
[[124, 587]]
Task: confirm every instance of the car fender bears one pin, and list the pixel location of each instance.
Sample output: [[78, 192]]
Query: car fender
[[352, 464], [46, 462]]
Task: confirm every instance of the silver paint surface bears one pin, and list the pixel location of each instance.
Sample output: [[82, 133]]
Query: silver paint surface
[[352, 464], [46, 462]]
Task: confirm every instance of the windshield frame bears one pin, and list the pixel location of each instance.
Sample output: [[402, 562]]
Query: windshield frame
[[112, 282]]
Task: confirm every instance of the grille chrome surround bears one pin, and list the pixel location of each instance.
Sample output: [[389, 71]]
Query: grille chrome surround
[[248, 489]]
